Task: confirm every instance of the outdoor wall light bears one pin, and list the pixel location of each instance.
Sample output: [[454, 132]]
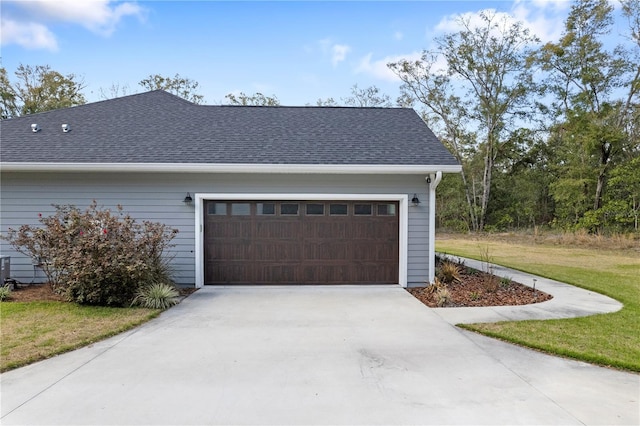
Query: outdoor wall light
[[415, 201], [188, 200]]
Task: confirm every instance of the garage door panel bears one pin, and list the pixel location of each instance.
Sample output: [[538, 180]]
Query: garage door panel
[[326, 274], [230, 273], [296, 242], [386, 252], [276, 251], [223, 228], [276, 274], [230, 250], [278, 229], [320, 250]]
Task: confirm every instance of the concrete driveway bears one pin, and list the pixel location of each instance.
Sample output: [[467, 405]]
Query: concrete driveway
[[312, 355]]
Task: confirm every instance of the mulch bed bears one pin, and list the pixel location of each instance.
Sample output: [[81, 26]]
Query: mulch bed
[[44, 292], [34, 293], [477, 288]]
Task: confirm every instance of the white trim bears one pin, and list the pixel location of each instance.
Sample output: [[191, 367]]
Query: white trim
[[228, 168], [403, 216], [434, 181]]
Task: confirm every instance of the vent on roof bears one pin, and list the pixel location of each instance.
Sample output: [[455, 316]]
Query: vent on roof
[[66, 128], [35, 128]]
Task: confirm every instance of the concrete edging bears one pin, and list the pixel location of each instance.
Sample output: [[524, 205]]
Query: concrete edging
[[568, 301]]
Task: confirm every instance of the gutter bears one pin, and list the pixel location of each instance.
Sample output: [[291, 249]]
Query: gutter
[[226, 168]]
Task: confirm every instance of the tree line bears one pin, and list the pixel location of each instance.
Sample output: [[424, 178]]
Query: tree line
[[547, 134]]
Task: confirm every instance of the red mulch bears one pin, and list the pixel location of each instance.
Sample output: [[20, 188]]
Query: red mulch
[[477, 288], [44, 292], [474, 289], [34, 293]]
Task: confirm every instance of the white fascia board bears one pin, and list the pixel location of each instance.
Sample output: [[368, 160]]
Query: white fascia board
[[228, 168]]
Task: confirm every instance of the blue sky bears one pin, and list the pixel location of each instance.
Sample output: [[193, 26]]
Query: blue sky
[[298, 51]]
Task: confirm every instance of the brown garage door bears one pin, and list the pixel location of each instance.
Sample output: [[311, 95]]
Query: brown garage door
[[301, 242]]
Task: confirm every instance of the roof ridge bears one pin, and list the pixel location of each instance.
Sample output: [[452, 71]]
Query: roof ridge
[[305, 107], [103, 101]]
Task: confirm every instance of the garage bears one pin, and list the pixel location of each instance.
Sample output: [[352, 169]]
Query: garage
[[301, 242]]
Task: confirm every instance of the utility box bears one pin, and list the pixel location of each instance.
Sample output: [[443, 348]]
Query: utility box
[[5, 269]]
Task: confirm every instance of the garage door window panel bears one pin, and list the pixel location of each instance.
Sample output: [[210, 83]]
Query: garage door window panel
[[315, 209], [289, 209], [240, 209], [362, 209], [386, 209], [219, 209], [338, 209], [266, 209]]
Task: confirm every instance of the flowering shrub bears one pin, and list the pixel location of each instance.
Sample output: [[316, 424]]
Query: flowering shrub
[[95, 256]]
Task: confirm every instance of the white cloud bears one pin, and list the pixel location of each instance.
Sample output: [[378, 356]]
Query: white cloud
[[29, 35], [98, 16], [543, 18], [558, 5], [398, 35], [379, 69], [339, 53], [33, 30]]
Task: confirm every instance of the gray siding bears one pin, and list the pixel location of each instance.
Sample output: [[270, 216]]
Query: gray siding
[[158, 197]]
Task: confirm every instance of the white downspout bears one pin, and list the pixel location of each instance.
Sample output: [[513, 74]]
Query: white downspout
[[432, 180]]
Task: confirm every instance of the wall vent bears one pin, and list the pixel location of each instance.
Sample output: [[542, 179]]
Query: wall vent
[[35, 128]]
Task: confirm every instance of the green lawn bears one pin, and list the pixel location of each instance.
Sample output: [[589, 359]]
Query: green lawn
[[608, 339], [31, 331]]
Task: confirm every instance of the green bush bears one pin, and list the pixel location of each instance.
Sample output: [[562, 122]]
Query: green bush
[[157, 296], [95, 256]]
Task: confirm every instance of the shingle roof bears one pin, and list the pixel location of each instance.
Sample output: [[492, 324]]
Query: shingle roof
[[157, 127]]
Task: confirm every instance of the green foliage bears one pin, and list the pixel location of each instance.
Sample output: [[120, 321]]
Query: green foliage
[[95, 256], [449, 272], [5, 292], [8, 97], [505, 281], [369, 97], [551, 152], [621, 209], [596, 93], [328, 102], [180, 86], [257, 99], [157, 296], [38, 88], [452, 212], [443, 296], [476, 101]]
